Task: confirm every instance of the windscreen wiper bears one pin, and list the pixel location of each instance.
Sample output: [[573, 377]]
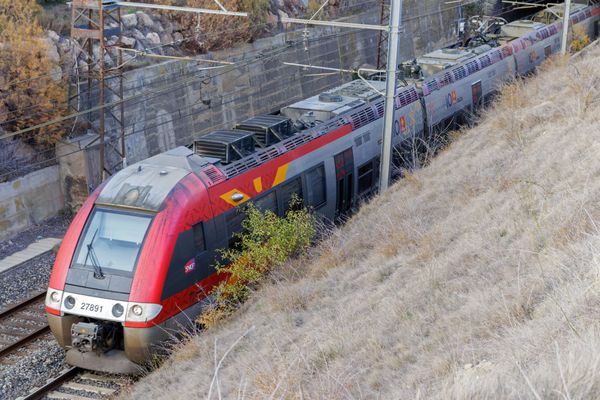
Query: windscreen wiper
[[98, 274]]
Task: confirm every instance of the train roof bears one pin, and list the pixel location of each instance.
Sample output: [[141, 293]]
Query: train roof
[[334, 102], [146, 184], [439, 60]]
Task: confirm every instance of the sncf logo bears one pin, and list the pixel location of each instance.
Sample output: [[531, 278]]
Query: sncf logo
[[190, 266]]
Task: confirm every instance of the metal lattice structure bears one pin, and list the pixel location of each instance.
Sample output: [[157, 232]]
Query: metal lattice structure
[[382, 45], [98, 78]]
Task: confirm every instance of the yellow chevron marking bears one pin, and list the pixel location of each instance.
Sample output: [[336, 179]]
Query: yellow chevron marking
[[258, 184], [228, 197], [281, 174]]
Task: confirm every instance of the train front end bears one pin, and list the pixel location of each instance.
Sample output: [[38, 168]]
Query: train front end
[[106, 302]]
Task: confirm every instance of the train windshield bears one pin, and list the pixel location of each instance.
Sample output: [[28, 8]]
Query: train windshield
[[112, 240]]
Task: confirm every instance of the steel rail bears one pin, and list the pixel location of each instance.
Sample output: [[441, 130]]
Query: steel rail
[[18, 306], [29, 337], [23, 341], [52, 383]]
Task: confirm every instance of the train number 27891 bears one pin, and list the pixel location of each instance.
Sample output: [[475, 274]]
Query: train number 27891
[[91, 307]]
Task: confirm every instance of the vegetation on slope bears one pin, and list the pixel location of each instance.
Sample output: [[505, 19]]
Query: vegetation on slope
[[267, 242], [31, 91], [476, 277]]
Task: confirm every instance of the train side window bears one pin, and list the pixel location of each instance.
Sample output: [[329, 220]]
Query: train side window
[[368, 175], [287, 192], [267, 202], [315, 187], [234, 225], [199, 240]]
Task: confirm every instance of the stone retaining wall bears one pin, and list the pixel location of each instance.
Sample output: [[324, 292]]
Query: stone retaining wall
[[163, 114], [29, 200]]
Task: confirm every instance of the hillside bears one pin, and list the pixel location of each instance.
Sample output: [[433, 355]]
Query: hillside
[[476, 277]]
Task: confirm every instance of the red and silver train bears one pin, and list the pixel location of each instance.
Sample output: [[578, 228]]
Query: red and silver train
[[138, 260]]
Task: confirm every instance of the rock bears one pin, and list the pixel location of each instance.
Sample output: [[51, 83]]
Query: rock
[[177, 37], [168, 27], [129, 20], [52, 51], [138, 35], [166, 38], [282, 14], [144, 20], [127, 41], [112, 41], [157, 27], [65, 47], [176, 26], [53, 36], [153, 38]]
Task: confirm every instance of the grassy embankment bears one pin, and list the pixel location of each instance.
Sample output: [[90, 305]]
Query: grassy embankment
[[476, 277]]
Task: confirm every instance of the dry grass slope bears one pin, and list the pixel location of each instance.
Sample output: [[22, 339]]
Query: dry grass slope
[[475, 278]]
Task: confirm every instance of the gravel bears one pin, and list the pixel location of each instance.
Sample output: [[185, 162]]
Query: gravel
[[53, 227], [23, 282], [43, 359]]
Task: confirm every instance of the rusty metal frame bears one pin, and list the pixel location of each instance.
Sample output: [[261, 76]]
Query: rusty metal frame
[[99, 76]]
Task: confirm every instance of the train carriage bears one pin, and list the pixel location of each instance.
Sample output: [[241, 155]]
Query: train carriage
[[137, 263]]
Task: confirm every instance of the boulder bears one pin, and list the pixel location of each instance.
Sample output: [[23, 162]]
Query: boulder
[[127, 41], [56, 73], [53, 36], [176, 26], [166, 38], [52, 51], [129, 21], [157, 27], [144, 20], [168, 27], [112, 41], [153, 38], [137, 34], [139, 45], [177, 37]]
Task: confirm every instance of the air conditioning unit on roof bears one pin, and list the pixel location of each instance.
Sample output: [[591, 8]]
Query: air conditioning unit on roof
[[268, 129], [226, 145]]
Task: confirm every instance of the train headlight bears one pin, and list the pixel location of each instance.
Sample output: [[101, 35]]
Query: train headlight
[[142, 312], [53, 298], [117, 310], [137, 310], [69, 302]]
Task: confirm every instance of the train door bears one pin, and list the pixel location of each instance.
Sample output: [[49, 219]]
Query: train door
[[477, 96], [344, 176]]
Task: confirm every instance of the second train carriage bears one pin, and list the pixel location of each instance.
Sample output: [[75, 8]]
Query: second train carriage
[[138, 258]]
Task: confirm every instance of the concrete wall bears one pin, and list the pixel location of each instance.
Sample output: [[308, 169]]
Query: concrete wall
[[29, 200], [175, 102]]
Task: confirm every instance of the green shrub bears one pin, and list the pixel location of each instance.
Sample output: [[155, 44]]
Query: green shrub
[[268, 241]]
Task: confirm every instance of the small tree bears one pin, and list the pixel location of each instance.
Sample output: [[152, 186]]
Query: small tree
[[30, 92], [268, 241], [580, 39]]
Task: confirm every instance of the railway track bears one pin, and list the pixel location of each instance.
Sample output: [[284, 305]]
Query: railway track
[[77, 384], [22, 323]]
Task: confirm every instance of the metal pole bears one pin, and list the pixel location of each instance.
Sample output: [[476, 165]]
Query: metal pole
[[565, 33], [390, 92], [101, 127]]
